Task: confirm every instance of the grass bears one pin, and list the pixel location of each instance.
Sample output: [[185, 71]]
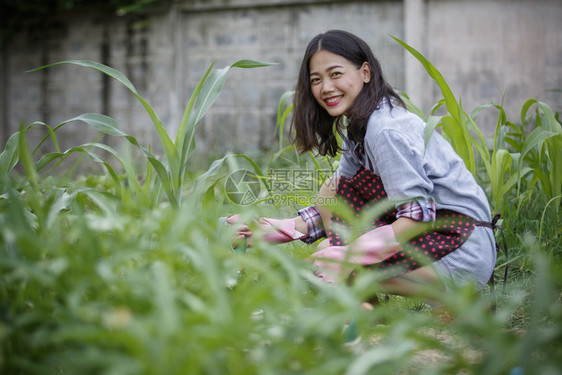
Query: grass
[[125, 272]]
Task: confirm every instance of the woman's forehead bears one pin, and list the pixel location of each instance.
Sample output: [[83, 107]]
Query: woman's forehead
[[323, 61]]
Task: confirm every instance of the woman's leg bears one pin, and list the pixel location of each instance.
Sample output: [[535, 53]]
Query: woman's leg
[[423, 282]]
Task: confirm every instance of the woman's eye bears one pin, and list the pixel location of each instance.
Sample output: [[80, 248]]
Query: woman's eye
[[336, 74], [314, 80]]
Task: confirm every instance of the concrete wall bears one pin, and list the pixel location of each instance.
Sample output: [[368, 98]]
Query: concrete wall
[[488, 49], [485, 49]]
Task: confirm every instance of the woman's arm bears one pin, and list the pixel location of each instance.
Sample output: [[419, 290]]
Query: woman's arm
[[316, 217], [327, 190], [300, 225], [405, 228]]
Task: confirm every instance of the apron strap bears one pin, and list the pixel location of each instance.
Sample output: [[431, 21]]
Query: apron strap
[[494, 225]]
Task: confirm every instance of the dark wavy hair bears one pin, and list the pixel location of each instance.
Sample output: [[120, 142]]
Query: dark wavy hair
[[314, 128]]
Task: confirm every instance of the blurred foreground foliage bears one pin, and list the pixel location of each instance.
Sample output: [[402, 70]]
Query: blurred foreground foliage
[[129, 272]]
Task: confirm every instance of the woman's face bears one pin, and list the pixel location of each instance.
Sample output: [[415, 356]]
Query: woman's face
[[335, 82]]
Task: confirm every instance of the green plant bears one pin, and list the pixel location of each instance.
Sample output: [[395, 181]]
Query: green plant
[[456, 127], [541, 150], [101, 276], [170, 172], [513, 155]]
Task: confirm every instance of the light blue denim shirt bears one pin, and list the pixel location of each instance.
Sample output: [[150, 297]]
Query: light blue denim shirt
[[394, 149]]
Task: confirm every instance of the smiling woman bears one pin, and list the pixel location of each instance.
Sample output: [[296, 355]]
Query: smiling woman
[[352, 68], [435, 232]]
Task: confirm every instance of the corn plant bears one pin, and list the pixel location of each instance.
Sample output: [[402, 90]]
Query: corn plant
[[513, 155], [278, 189], [541, 150], [172, 169], [456, 127], [97, 278]]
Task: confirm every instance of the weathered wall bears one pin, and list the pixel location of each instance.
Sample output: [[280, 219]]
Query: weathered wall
[[485, 49], [488, 49], [245, 114]]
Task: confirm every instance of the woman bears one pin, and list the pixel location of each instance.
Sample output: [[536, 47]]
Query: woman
[[341, 89]]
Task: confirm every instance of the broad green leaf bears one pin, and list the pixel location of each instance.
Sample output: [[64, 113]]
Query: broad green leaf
[[512, 180], [209, 199], [436, 106], [500, 130], [95, 157], [103, 123], [62, 201], [216, 166], [26, 160], [552, 124], [48, 159], [171, 153], [213, 169], [129, 169], [544, 180], [10, 156], [526, 106], [484, 155], [317, 165], [50, 133], [501, 162], [480, 142], [537, 136], [456, 136], [181, 135], [107, 203], [210, 91], [474, 113], [95, 65], [551, 147], [251, 64], [450, 101], [431, 124], [282, 114], [411, 106]]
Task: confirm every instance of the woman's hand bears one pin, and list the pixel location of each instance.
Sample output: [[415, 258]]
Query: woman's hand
[[243, 231], [336, 262], [275, 230]]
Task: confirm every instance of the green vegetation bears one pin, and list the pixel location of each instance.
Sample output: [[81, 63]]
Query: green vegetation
[[123, 271]]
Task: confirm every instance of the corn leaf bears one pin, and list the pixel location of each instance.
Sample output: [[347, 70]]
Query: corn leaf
[[210, 91], [26, 160], [282, 114], [171, 154], [10, 156], [411, 106], [450, 101]]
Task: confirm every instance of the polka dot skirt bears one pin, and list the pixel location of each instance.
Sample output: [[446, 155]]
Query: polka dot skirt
[[364, 190]]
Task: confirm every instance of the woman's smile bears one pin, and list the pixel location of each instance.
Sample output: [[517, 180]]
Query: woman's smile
[[333, 100]]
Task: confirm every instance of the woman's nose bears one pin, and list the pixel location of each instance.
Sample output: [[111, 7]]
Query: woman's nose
[[327, 86]]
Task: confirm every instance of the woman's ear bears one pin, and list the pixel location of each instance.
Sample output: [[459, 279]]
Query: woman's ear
[[366, 72]]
